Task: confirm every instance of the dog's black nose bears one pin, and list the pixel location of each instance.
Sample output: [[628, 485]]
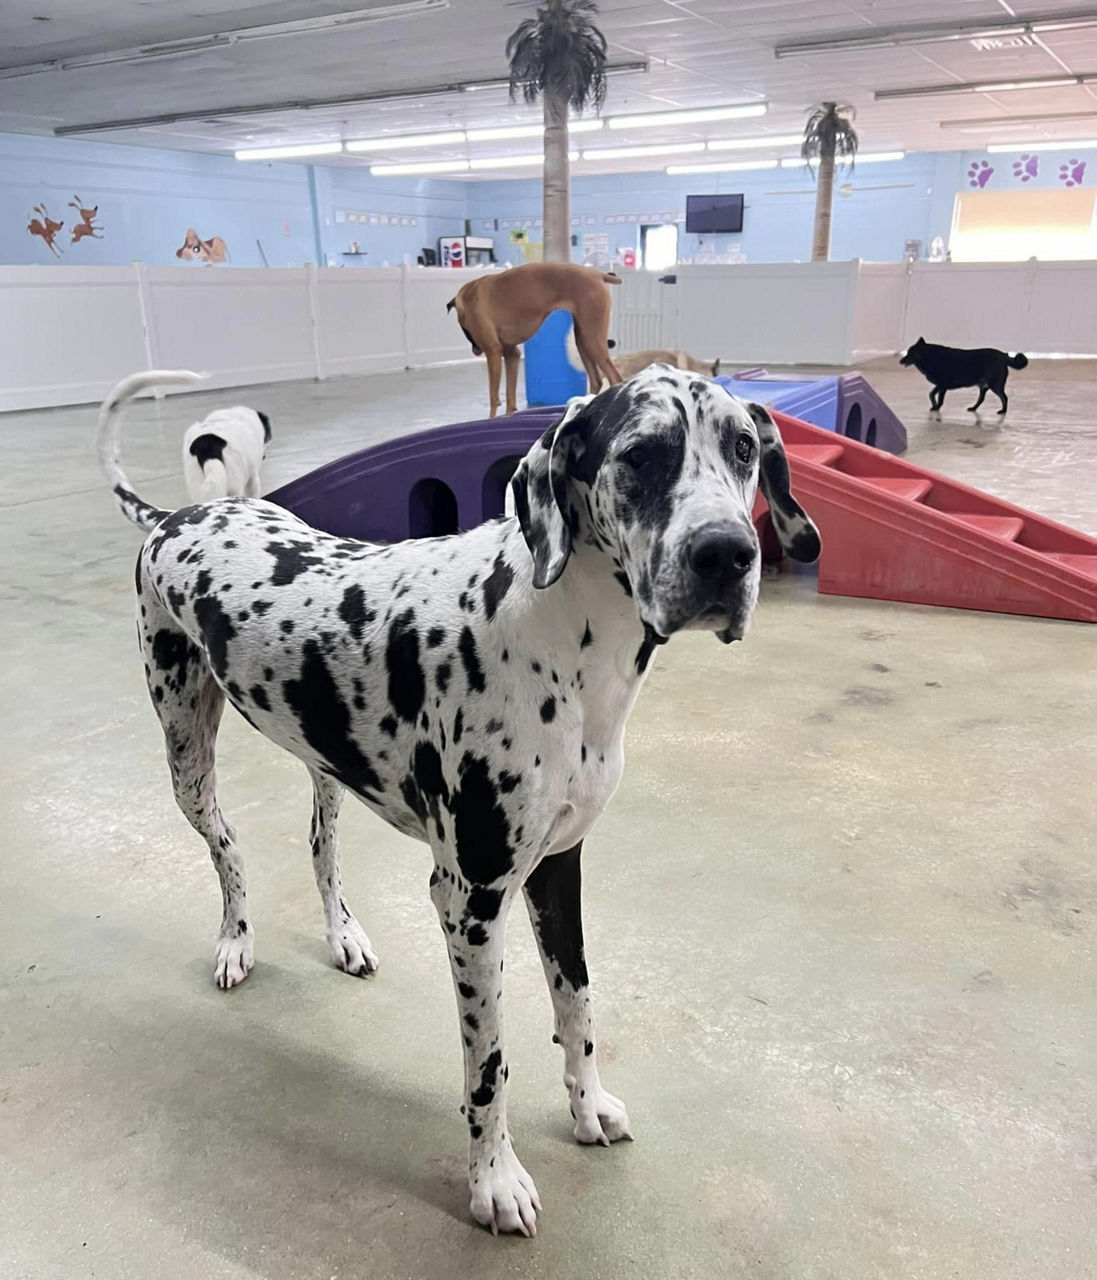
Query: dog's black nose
[[722, 551]]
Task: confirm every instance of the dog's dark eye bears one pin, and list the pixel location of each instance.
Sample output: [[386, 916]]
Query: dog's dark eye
[[744, 448], [636, 457]]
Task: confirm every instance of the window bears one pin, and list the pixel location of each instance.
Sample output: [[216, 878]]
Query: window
[[659, 246]]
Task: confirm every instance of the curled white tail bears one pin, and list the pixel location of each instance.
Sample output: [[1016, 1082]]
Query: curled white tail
[[109, 443]]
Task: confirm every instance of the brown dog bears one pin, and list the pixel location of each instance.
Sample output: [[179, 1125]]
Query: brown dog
[[497, 312], [637, 361]]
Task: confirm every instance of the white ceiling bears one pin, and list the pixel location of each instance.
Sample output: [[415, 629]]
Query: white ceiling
[[701, 53]]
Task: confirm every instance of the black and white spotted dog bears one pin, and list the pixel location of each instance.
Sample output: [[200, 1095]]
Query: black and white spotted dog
[[472, 690]]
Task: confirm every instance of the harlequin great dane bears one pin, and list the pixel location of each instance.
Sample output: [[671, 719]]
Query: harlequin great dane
[[472, 690]]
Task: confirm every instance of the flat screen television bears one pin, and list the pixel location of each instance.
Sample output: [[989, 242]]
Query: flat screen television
[[714, 215]]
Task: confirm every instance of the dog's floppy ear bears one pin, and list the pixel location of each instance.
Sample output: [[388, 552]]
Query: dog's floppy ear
[[539, 495], [794, 529], [716, 366], [450, 305], [266, 425]]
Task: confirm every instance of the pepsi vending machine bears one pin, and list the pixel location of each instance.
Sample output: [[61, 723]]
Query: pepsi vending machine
[[466, 251]]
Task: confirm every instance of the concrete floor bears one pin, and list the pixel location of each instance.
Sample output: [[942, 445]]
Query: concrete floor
[[840, 922]]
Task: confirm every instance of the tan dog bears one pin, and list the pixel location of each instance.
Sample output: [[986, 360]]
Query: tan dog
[[497, 312], [637, 361]]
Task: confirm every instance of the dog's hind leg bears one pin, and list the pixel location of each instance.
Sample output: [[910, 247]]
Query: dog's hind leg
[[494, 357], [594, 374], [999, 389], [351, 950], [189, 704], [511, 357], [982, 396], [553, 899]]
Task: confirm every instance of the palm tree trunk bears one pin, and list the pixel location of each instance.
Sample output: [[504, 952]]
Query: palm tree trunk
[[557, 207], [824, 200]]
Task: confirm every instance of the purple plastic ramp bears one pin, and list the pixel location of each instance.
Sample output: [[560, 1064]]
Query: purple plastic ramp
[[420, 486], [863, 415]]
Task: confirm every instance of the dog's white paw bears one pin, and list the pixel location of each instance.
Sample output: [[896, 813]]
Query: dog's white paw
[[503, 1195], [351, 950], [599, 1116], [233, 961]]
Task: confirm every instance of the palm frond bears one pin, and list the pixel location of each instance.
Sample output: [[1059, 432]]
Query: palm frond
[[559, 51], [829, 132]]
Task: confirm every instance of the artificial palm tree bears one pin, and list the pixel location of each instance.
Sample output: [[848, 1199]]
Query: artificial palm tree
[[558, 56], [829, 136]]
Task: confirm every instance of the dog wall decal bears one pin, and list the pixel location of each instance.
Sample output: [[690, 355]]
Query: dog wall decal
[[45, 227], [86, 227], [195, 249]]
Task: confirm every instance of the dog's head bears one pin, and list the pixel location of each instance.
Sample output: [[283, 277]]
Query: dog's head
[[910, 356], [660, 473]]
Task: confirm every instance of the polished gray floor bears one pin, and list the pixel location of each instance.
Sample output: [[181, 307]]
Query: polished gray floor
[[840, 924]]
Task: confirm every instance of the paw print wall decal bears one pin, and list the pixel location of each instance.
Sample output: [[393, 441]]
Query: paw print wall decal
[[1072, 173], [979, 174], [1026, 168]]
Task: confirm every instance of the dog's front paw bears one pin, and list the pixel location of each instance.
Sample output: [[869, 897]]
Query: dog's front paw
[[352, 951], [234, 960], [599, 1116], [503, 1195]]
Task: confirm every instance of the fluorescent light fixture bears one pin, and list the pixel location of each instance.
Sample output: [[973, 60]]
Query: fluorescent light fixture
[[221, 112], [868, 157], [933, 33], [987, 124], [426, 166], [234, 35], [528, 130], [511, 162], [291, 153], [503, 82], [1057, 145], [629, 153], [990, 86], [400, 141], [1005, 86], [755, 144], [698, 116], [730, 166]]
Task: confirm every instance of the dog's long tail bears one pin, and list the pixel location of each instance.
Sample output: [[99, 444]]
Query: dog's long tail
[[1018, 361], [109, 441]]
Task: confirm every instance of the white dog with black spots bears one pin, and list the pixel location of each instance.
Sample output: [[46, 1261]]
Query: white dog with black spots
[[472, 690]]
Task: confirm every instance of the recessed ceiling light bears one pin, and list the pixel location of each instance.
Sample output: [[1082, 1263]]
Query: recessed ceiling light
[[755, 144], [698, 116], [290, 152], [426, 166], [399, 141], [628, 153], [728, 166]]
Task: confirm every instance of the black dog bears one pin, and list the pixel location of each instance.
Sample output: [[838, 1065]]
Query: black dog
[[950, 367]]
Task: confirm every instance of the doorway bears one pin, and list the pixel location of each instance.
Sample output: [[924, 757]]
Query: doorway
[[658, 246]]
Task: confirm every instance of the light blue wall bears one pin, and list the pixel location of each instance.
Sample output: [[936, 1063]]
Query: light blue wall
[[890, 203], [147, 198], [440, 209]]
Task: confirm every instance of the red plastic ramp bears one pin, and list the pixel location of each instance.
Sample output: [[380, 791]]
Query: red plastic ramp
[[893, 531]]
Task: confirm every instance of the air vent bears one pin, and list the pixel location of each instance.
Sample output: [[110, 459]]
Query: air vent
[[993, 44]]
